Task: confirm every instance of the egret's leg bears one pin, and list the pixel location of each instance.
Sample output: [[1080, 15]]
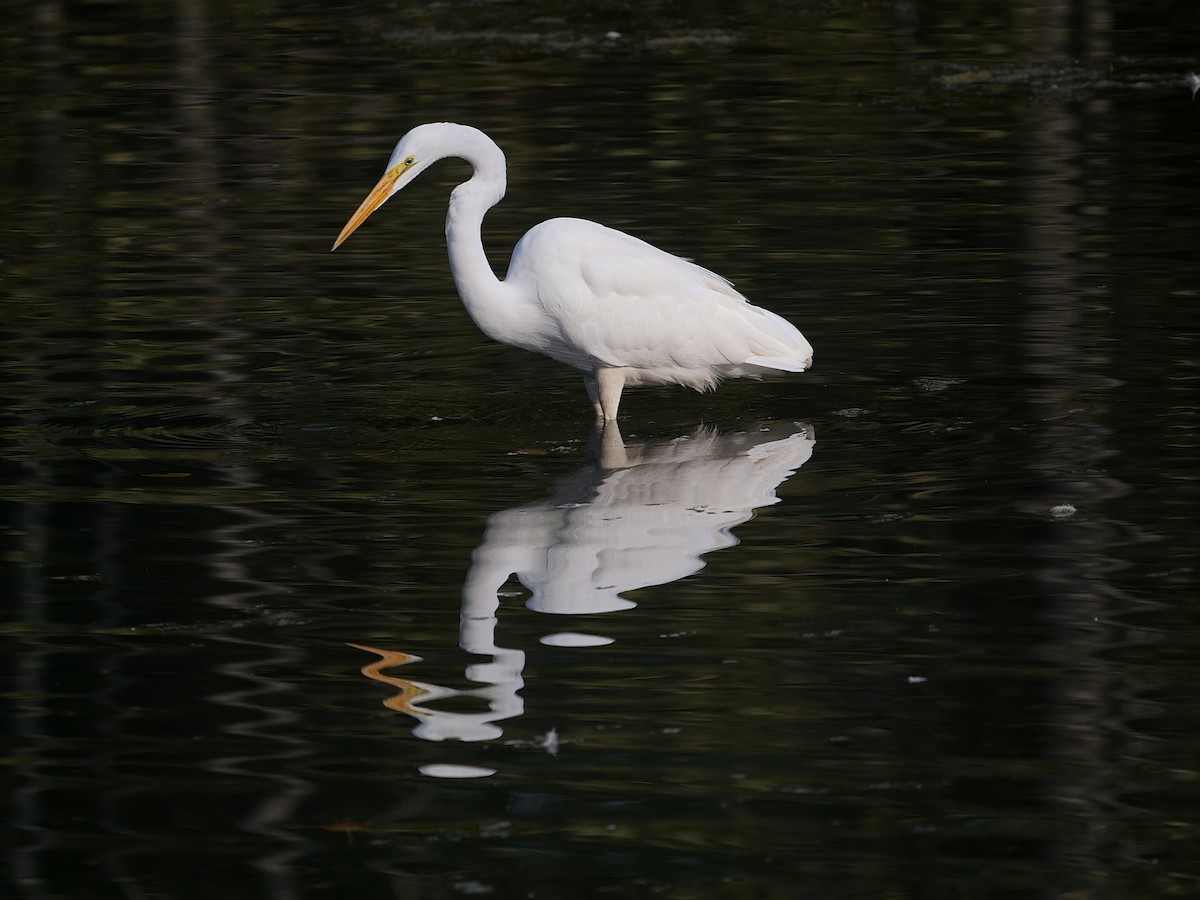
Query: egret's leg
[[611, 381], [593, 392]]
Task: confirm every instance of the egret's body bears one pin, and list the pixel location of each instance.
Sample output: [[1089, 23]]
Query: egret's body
[[618, 310]]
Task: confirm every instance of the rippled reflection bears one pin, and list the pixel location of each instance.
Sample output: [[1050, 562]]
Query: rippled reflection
[[634, 516]]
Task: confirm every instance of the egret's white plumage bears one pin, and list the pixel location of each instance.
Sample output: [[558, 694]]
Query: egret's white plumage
[[619, 310]]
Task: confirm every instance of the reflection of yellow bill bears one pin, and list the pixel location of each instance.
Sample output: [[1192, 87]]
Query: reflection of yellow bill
[[409, 691]]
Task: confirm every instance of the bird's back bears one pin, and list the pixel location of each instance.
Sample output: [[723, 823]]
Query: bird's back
[[606, 299]]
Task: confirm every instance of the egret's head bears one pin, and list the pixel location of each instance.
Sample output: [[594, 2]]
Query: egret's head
[[413, 154], [416, 152]]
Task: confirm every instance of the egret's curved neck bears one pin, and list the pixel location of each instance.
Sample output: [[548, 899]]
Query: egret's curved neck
[[477, 284]]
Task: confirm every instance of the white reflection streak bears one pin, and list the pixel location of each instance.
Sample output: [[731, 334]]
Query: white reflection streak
[[638, 515]]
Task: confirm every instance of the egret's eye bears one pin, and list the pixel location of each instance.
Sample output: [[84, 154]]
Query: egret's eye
[[410, 161]]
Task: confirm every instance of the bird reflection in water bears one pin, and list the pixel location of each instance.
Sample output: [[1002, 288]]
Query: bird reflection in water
[[634, 516]]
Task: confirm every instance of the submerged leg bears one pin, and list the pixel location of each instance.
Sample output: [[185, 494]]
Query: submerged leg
[[610, 381], [612, 453]]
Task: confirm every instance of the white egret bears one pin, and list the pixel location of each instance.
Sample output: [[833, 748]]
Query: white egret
[[618, 310]]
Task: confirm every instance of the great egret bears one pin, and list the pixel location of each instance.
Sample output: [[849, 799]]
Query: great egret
[[619, 310]]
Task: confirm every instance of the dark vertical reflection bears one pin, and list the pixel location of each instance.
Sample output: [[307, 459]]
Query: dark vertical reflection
[[33, 659], [1068, 354], [198, 140], [45, 135]]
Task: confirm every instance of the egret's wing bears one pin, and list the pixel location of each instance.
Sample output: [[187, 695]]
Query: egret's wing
[[624, 302], [656, 310]]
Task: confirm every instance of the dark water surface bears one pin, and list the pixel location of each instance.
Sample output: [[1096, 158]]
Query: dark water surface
[[311, 591]]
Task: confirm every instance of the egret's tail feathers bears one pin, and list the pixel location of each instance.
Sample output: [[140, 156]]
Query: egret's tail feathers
[[782, 363]]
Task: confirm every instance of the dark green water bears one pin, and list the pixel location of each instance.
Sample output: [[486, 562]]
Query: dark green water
[[289, 548]]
